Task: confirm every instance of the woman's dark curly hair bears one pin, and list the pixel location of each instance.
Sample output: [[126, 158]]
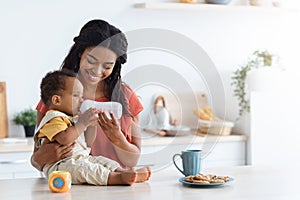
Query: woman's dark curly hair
[[100, 33], [54, 83]]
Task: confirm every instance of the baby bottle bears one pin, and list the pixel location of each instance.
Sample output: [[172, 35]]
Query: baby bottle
[[60, 181], [107, 107]]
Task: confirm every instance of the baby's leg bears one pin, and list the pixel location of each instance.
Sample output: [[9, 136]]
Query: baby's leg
[[143, 174], [127, 177]]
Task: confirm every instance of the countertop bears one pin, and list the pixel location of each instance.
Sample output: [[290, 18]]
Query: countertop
[[148, 139], [8, 145], [250, 182]]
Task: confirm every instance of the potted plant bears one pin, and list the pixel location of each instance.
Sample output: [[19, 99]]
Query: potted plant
[[257, 60], [27, 118]]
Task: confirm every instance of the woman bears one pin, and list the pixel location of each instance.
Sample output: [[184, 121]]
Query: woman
[[97, 56]]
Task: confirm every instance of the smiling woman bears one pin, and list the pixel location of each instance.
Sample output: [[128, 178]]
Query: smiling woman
[[94, 68], [97, 56]]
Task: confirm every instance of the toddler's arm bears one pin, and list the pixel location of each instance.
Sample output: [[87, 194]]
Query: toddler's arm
[[85, 120], [90, 135]]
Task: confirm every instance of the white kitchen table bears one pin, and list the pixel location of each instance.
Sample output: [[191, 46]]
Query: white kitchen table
[[265, 183]]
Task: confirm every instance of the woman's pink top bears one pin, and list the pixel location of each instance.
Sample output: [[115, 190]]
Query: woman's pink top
[[102, 145]]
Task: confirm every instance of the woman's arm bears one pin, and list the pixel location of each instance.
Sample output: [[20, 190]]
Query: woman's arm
[[127, 152], [49, 153]]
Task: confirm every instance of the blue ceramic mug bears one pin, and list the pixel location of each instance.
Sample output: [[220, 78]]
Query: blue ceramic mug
[[191, 162]]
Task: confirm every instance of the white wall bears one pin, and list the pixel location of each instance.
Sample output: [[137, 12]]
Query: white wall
[[275, 130], [36, 35]]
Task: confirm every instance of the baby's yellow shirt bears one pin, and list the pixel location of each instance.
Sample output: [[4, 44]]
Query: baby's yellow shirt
[[54, 126]]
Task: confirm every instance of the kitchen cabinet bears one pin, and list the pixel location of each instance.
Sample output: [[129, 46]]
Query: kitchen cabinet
[[15, 157], [217, 151], [17, 165], [212, 7], [157, 152]]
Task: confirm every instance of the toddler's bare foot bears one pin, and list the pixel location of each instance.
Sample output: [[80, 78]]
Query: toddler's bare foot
[[143, 174], [122, 178]]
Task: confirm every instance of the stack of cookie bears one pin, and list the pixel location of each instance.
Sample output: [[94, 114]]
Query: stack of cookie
[[206, 179]]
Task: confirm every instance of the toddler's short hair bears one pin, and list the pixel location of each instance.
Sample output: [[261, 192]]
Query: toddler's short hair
[[54, 83]]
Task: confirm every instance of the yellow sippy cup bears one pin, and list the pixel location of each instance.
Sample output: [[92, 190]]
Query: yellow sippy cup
[[60, 181]]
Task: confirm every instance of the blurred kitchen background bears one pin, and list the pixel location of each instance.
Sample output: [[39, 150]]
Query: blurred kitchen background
[[36, 36]]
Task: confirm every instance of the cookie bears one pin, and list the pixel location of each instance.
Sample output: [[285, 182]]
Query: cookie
[[201, 181], [206, 179]]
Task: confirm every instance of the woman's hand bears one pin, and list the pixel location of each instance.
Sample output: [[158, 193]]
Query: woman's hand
[[49, 153], [127, 152], [110, 127]]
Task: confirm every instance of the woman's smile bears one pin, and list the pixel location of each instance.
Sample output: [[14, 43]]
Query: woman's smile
[[92, 76]]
